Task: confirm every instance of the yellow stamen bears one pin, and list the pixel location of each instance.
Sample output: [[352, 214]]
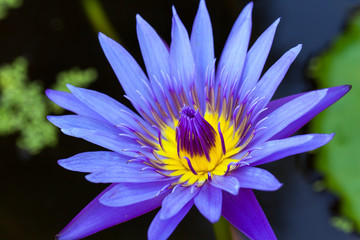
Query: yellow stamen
[[197, 169]]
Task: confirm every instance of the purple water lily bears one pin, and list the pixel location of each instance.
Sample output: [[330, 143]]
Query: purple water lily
[[199, 133]]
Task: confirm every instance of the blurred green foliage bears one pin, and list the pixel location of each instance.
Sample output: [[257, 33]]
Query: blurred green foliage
[[99, 20], [222, 229], [5, 5], [23, 105], [339, 160], [342, 223]]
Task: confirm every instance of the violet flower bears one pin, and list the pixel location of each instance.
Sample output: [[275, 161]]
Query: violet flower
[[200, 132]]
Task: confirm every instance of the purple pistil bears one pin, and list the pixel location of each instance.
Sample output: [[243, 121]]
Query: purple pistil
[[194, 134]]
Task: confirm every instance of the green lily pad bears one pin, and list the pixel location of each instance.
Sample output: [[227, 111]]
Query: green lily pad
[[339, 161]]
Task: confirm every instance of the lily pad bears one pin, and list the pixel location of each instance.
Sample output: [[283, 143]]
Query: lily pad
[[339, 161]]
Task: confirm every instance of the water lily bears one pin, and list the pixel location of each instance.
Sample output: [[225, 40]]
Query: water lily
[[201, 129]]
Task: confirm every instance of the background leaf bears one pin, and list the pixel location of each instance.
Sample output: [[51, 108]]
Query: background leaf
[[339, 161]]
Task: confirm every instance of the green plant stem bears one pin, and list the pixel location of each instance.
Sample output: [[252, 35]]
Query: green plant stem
[[98, 19], [222, 229]]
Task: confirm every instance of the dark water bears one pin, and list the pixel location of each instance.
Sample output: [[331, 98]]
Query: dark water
[[38, 198]]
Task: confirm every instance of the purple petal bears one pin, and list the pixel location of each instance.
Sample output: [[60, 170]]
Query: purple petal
[[104, 139], [124, 194], [277, 149], [125, 175], [256, 178], [97, 161], [256, 58], [153, 49], [69, 102], [176, 200], [182, 62], [202, 45], [285, 115], [332, 95], [233, 56], [129, 73], [209, 202], [96, 217], [132, 78], [244, 212], [161, 229], [156, 58], [268, 84], [226, 183], [76, 121], [113, 111]]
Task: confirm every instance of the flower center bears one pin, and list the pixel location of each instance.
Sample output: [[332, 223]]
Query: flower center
[[199, 147], [194, 135]]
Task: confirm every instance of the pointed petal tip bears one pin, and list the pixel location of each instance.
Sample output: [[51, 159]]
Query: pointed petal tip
[[51, 94], [328, 137], [275, 187], [50, 117], [249, 5], [202, 9], [341, 90], [321, 138], [143, 26], [174, 11], [214, 220], [274, 25], [236, 191], [293, 52], [90, 178], [60, 162], [277, 21], [64, 163], [48, 92], [101, 36], [249, 9], [202, 5], [175, 18], [347, 87], [139, 19], [103, 39], [140, 24], [298, 48]]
